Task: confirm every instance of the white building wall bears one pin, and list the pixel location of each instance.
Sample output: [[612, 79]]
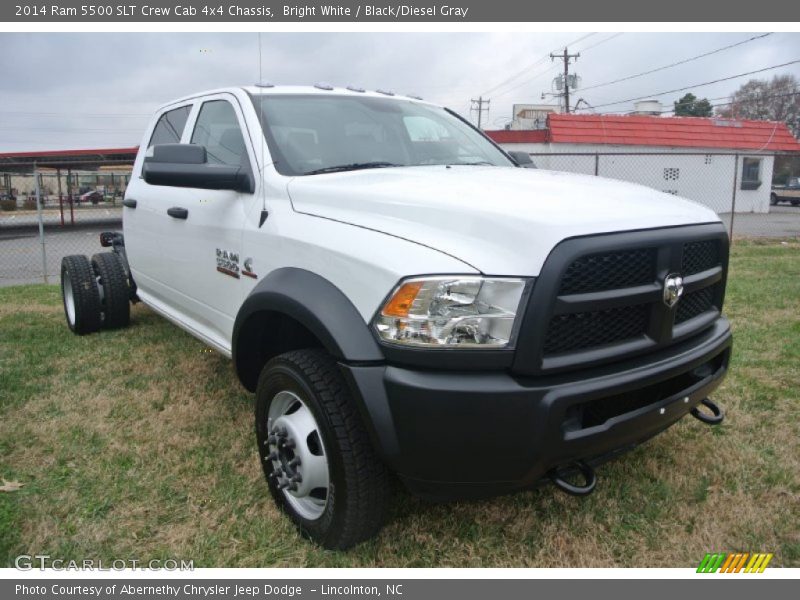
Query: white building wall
[[704, 176]]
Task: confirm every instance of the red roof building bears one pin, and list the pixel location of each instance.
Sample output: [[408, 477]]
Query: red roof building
[[665, 132], [700, 159]]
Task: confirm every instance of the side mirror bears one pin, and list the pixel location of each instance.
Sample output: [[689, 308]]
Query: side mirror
[[523, 159], [186, 165]]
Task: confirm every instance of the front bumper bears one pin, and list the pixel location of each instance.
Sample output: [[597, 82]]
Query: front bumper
[[460, 434]]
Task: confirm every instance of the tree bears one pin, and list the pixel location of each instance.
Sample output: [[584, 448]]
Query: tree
[[690, 106], [762, 99]]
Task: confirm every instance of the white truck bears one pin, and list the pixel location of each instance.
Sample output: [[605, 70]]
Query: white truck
[[404, 299]]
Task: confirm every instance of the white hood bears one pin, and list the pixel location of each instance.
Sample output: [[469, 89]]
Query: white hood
[[502, 221]]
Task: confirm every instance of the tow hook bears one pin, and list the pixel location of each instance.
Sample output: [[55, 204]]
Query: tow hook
[[557, 476], [715, 418]]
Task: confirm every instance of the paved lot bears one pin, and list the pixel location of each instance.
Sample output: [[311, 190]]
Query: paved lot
[[781, 221], [21, 252], [83, 215]]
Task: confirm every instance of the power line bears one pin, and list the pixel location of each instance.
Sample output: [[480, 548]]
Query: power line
[[697, 85], [553, 68], [675, 64], [535, 64], [711, 102], [479, 108], [603, 41], [566, 57]]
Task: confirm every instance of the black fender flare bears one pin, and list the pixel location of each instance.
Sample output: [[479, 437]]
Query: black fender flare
[[318, 305]]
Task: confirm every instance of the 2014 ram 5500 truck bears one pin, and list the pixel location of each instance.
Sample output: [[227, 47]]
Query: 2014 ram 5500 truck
[[403, 298]]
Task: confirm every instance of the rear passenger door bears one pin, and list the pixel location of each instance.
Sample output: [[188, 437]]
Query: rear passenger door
[[144, 208], [204, 246]]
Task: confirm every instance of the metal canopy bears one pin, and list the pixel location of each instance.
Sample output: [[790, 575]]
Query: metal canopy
[[83, 160]]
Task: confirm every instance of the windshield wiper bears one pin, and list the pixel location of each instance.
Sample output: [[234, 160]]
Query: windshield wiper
[[352, 167]]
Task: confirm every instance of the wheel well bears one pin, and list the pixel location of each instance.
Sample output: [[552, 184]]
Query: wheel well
[[265, 335]]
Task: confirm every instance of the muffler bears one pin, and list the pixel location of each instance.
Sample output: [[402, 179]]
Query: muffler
[[559, 474], [715, 418]]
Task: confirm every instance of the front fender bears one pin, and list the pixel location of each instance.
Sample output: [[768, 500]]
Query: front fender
[[315, 303]]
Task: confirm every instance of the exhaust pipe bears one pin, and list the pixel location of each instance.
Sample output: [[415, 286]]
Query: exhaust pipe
[[558, 477], [715, 418]]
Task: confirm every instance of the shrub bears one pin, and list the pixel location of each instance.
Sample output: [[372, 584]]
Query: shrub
[[29, 203], [8, 204]]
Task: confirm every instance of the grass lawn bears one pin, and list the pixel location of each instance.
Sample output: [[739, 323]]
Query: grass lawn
[[139, 444]]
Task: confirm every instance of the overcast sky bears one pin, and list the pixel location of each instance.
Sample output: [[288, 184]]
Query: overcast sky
[[88, 90]]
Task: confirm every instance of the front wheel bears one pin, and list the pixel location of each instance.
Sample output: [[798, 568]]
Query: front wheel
[[316, 454]]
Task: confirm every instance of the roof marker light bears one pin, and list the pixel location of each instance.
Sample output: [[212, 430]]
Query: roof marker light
[[415, 97], [323, 86], [265, 84], [385, 92], [354, 88]]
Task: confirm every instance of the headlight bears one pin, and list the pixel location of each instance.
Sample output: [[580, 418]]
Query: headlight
[[451, 312]]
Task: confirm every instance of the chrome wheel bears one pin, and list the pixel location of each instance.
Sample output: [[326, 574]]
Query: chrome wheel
[[297, 454], [69, 299]]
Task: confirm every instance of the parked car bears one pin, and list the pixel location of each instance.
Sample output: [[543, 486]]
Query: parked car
[[790, 192], [94, 197], [403, 298]]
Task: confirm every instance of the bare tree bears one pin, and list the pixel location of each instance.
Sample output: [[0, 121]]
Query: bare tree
[[773, 100]]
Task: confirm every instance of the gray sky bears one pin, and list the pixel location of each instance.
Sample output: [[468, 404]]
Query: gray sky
[[58, 89]]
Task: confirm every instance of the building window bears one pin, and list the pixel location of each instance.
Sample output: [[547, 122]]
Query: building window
[[673, 192], [751, 173], [672, 173], [708, 159]]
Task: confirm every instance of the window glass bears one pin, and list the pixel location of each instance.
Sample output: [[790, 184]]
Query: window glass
[[169, 128], [751, 169], [217, 129], [312, 133]]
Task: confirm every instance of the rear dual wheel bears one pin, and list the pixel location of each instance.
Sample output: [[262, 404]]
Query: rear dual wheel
[[95, 294]]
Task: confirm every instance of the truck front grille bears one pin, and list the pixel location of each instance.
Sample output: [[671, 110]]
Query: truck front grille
[[601, 298], [609, 270]]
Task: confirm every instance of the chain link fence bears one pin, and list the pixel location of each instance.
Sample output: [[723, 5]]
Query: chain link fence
[[748, 191], [47, 214], [756, 195]]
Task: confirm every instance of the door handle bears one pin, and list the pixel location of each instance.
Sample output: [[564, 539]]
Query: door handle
[[176, 212], [129, 203]]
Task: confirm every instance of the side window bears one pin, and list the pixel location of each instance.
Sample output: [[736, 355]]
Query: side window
[[751, 173], [170, 127], [217, 128]]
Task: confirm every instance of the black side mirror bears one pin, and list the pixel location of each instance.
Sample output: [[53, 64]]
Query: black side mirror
[[186, 165], [523, 159]]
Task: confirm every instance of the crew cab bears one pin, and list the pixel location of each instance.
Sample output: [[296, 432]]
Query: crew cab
[[404, 299]]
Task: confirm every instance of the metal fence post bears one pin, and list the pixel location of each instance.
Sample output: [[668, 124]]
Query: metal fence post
[[597, 164], [733, 196], [41, 220]]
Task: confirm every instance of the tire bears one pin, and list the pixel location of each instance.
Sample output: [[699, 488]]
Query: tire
[[115, 297], [354, 506], [773, 199], [795, 202], [80, 295]]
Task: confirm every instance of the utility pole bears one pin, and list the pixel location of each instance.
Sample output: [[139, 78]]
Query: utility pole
[[566, 57], [478, 105]]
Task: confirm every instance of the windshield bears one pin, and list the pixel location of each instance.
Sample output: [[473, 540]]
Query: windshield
[[311, 134]]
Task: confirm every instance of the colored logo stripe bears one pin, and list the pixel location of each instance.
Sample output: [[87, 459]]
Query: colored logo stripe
[[734, 563]]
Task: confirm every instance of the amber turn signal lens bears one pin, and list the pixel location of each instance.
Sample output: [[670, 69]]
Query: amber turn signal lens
[[402, 300]]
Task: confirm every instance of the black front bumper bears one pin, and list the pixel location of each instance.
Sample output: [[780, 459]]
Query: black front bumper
[[451, 434]]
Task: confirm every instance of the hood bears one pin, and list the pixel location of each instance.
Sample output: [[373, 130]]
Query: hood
[[499, 220]]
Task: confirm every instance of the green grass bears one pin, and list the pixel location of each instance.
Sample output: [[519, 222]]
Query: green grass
[[138, 444]]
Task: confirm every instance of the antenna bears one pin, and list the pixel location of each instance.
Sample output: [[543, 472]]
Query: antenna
[[264, 212]]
